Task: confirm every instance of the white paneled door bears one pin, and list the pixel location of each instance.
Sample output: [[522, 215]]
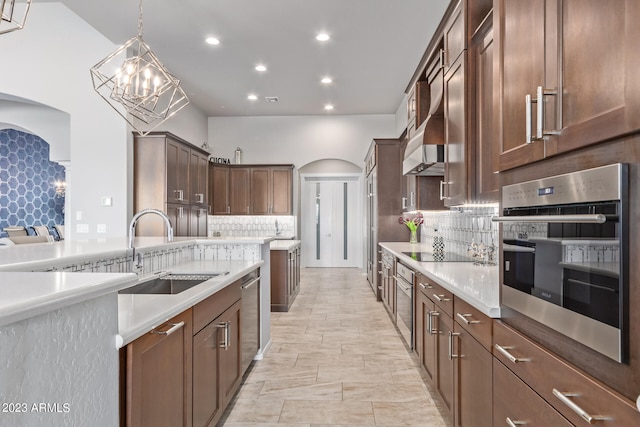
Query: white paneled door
[[331, 216]]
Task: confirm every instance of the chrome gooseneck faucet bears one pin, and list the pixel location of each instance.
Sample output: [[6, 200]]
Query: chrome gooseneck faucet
[[136, 217]]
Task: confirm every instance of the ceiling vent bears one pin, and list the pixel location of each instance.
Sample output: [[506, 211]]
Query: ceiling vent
[[271, 98]]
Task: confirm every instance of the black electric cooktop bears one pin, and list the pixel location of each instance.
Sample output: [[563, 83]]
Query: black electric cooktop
[[429, 257]]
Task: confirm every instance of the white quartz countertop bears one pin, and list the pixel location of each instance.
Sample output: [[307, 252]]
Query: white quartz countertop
[[283, 245], [24, 294], [140, 313], [476, 285], [36, 255]]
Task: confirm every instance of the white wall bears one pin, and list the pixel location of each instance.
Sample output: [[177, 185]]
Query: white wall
[[48, 62], [298, 140]]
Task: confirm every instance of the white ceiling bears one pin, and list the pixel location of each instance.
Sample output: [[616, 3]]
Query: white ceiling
[[374, 49]]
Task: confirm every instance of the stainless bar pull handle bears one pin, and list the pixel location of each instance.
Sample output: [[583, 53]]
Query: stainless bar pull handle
[[463, 317], [540, 112], [511, 423], [441, 298], [199, 198], [451, 335], [423, 286], [227, 334], [528, 133], [541, 93], [442, 57], [442, 184], [511, 357], [565, 398], [180, 212], [174, 327], [404, 203], [432, 314], [250, 284], [568, 219]]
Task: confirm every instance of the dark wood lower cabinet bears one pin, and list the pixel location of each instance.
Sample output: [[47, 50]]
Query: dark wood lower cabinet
[[185, 372], [473, 381], [217, 370], [285, 278], [515, 402], [158, 376], [206, 398], [445, 366], [456, 363], [230, 360], [426, 334]]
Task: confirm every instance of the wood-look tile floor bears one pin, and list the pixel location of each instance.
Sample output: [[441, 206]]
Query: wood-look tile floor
[[336, 359]]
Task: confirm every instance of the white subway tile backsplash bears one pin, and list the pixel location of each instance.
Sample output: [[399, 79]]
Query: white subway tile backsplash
[[252, 226]]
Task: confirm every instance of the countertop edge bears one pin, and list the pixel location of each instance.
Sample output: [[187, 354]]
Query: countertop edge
[[51, 302]]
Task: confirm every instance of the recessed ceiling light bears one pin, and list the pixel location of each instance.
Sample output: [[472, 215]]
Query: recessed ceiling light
[[328, 107], [212, 40], [252, 97], [322, 37], [261, 67], [326, 80]]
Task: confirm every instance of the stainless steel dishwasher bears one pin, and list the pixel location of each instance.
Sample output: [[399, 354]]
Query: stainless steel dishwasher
[[250, 317]]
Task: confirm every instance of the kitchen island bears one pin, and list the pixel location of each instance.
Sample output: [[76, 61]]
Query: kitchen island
[[59, 331]]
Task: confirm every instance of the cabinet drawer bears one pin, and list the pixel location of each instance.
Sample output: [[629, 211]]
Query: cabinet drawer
[[551, 377], [207, 310], [439, 295], [473, 321], [514, 401]]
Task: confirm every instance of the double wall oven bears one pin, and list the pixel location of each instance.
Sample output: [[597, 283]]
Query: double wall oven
[[565, 255]]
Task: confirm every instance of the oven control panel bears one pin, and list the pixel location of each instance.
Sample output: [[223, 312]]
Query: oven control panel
[[590, 185]]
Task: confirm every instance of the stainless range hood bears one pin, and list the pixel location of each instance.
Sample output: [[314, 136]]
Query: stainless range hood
[[424, 154]]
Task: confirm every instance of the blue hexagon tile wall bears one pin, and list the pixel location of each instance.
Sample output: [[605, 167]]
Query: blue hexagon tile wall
[[27, 182]]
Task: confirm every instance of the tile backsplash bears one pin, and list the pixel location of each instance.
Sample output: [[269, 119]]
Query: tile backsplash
[[461, 227], [252, 226]]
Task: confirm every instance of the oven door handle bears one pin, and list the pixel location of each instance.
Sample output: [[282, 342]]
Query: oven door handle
[[591, 285], [569, 219]]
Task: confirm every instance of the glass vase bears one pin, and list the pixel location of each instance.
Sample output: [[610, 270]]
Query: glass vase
[[413, 237]]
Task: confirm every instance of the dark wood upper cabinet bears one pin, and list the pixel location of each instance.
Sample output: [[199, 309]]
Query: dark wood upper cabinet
[[271, 190], [455, 134], [219, 189], [482, 97], [455, 36], [239, 185], [564, 75], [251, 189], [170, 175], [521, 52]]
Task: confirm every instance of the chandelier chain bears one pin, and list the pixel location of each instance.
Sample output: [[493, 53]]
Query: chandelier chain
[[140, 21]]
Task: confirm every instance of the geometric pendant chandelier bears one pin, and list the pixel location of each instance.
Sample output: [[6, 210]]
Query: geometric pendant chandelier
[[14, 14], [133, 77]]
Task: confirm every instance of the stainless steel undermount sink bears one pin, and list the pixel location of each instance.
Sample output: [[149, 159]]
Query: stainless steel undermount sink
[[170, 283]]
